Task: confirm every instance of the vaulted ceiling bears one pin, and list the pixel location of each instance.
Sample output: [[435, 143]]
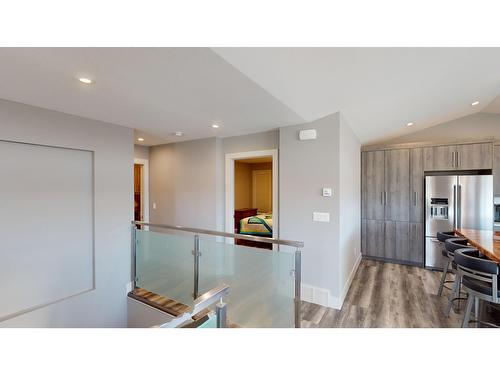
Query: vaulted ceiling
[[160, 91]]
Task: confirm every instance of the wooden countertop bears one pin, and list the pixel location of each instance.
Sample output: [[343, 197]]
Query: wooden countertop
[[487, 241]]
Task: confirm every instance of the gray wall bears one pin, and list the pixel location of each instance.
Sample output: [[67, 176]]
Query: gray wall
[[251, 142], [187, 179], [183, 183], [188, 185], [476, 126], [113, 183], [141, 152], [350, 204], [305, 168]]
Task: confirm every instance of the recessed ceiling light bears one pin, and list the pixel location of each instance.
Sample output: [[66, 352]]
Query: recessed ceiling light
[[410, 124], [85, 80], [140, 139], [178, 134], [475, 103], [215, 126]]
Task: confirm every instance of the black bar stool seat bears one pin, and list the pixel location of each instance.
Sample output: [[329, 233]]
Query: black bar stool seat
[[450, 246], [479, 286], [443, 237], [480, 280]]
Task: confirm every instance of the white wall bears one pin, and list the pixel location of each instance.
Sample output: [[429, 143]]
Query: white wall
[[105, 306], [473, 127]]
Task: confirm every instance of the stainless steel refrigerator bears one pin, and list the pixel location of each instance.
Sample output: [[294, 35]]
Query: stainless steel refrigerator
[[455, 201]]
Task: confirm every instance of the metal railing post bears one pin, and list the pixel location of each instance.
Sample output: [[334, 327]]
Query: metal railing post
[[298, 276], [134, 257], [221, 311], [196, 255]]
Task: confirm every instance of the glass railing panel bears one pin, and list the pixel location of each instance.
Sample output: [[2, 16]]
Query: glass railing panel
[[164, 264], [261, 282]]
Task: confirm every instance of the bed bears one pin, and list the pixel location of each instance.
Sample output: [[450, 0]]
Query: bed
[[258, 225]]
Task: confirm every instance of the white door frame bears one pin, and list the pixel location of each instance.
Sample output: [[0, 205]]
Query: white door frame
[[144, 186], [230, 159]]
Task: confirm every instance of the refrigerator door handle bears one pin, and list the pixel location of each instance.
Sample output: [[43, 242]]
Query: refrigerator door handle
[[454, 209], [459, 204]]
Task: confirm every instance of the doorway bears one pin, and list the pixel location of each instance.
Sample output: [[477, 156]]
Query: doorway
[[252, 195], [141, 190]]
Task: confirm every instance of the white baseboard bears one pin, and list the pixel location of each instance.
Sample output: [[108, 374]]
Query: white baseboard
[[324, 297], [349, 281]]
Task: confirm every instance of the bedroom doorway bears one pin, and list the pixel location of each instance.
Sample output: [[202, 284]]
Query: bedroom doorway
[[252, 195], [141, 190]]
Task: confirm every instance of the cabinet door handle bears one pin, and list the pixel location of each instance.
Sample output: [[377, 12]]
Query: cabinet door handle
[[453, 159], [385, 198], [414, 198], [458, 159], [382, 198]]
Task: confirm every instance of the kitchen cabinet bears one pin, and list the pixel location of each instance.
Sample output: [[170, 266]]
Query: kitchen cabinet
[[397, 185], [373, 238], [416, 185], [496, 171], [396, 240], [393, 193], [459, 157], [443, 158], [474, 156], [416, 243], [372, 190]]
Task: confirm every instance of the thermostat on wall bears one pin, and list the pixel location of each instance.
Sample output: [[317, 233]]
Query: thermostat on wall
[[308, 134]]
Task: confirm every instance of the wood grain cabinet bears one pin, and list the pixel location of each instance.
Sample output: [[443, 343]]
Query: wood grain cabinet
[[416, 243], [459, 157], [496, 171], [372, 232], [396, 244], [392, 189], [474, 156], [397, 185], [443, 158], [416, 185], [372, 188]]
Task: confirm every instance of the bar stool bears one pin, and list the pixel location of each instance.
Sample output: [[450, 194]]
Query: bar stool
[[442, 237], [480, 280], [451, 245]]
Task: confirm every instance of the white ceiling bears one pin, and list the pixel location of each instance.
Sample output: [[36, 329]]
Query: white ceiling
[[379, 90], [493, 107], [155, 90], [158, 91]]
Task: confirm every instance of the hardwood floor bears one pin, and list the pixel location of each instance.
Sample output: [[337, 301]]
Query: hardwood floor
[[386, 295]]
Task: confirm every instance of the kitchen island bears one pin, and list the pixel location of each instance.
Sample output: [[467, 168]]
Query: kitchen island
[[486, 241]]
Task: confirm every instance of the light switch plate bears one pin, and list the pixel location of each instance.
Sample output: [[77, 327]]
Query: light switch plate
[[327, 192], [321, 216]]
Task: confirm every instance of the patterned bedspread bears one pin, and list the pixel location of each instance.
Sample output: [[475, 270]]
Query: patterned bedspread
[[260, 225]]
